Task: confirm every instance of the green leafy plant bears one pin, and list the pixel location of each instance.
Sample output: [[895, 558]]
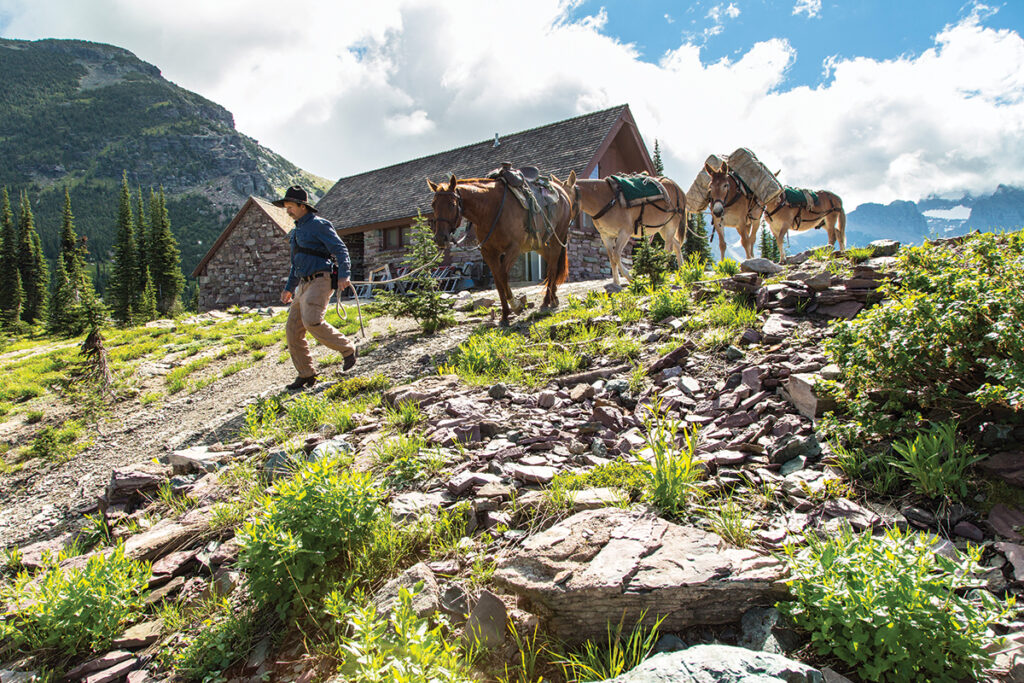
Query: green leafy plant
[[620, 653], [404, 416], [727, 267], [728, 519], [211, 646], [935, 462], [892, 608], [324, 513], [70, 611], [394, 648], [668, 302], [947, 340], [650, 263], [670, 471]]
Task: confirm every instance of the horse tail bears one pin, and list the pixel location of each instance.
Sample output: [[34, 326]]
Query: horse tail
[[560, 270]]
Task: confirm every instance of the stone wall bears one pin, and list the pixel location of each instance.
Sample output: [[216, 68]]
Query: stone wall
[[250, 268]]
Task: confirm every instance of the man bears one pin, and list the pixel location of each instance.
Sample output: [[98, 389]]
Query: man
[[313, 242]]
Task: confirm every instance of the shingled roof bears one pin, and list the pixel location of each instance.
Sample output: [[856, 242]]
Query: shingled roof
[[397, 192]]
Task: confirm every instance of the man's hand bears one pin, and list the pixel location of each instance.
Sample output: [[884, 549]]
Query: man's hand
[[286, 297], [343, 284]]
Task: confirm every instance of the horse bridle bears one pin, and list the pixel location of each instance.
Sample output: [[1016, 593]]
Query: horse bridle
[[458, 214]]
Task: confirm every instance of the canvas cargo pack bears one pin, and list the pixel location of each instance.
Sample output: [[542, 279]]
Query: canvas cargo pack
[[697, 197], [762, 182]]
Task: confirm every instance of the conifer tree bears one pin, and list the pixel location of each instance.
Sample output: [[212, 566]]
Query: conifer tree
[[11, 293], [124, 284], [165, 258], [769, 247], [147, 302], [142, 237], [74, 301], [659, 167], [697, 238], [35, 275]]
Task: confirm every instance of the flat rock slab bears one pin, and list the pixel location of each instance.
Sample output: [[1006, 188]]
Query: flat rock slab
[[140, 635], [719, 664], [600, 566]]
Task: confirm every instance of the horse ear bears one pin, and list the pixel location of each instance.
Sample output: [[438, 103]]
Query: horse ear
[[451, 185], [431, 185], [572, 179], [708, 168], [725, 168]]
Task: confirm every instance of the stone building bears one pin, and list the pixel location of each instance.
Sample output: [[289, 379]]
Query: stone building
[[372, 211], [248, 264]]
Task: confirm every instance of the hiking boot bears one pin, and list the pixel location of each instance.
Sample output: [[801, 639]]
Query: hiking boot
[[350, 360], [301, 382]]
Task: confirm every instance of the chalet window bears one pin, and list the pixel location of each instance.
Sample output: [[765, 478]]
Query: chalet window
[[395, 238]]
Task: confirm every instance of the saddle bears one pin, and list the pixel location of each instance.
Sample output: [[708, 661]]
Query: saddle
[[796, 196], [533, 191], [636, 189]]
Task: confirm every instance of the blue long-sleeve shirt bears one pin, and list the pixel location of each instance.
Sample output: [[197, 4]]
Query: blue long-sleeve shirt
[[313, 232]]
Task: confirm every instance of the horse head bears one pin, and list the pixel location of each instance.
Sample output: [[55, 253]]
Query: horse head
[[718, 189], [447, 209]]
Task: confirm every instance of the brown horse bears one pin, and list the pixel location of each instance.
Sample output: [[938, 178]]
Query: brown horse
[[499, 222], [735, 206], [826, 211], [616, 223]]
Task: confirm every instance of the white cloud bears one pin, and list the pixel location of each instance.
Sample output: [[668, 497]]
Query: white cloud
[[811, 8], [341, 88]]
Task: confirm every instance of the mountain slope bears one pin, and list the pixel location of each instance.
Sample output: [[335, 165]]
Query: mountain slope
[[77, 114]]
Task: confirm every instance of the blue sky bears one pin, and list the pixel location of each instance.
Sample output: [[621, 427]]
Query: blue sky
[[876, 101], [854, 28]]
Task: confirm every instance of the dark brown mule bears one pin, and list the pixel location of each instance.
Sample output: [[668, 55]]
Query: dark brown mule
[[499, 222], [827, 211], [617, 224], [733, 206]]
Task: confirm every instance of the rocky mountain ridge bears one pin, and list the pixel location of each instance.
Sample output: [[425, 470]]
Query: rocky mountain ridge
[[78, 114]]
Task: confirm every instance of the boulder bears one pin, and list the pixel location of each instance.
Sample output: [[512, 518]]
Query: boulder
[[719, 664], [761, 266], [602, 566], [418, 578], [884, 247], [800, 390]]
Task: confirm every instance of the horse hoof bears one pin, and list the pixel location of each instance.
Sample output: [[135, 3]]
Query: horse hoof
[[503, 323]]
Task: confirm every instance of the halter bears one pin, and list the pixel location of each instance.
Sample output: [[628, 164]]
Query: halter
[[730, 181], [458, 214]]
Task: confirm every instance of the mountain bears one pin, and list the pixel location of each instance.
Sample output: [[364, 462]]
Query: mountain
[[900, 220], [76, 114]]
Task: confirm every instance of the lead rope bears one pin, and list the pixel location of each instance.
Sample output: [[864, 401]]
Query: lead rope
[[355, 294]]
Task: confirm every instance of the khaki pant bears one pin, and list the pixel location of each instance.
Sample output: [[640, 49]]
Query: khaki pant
[[307, 314]]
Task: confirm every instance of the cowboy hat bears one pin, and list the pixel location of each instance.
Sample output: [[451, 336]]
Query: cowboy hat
[[296, 194]]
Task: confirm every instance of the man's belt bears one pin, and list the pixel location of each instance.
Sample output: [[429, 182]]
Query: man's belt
[[310, 278]]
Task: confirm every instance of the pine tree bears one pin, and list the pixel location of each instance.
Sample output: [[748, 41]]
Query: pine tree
[[74, 301], [35, 275], [11, 293], [769, 247], [165, 258], [659, 167], [123, 286], [697, 238], [142, 236], [147, 302]]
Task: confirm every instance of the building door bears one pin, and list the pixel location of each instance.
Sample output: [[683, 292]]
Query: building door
[[529, 267]]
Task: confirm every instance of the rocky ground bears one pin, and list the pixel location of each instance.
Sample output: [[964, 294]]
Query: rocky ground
[[574, 567]]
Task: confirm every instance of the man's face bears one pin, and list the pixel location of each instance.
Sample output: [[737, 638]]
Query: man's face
[[295, 210]]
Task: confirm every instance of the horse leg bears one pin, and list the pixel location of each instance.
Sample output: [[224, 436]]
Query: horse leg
[[495, 263], [620, 245], [720, 230], [778, 240], [749, 239], [612, 261]]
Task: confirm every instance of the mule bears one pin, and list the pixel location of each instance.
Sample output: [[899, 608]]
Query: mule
[[616, 223], [500, 226], [733, 205], [827, 211]]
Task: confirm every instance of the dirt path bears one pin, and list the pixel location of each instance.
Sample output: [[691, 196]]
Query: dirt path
[[43, 499]]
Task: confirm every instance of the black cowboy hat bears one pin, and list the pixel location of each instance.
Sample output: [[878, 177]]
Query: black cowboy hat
[[296, 194]]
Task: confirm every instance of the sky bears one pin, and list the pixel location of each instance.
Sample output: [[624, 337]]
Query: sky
[[876, 101]]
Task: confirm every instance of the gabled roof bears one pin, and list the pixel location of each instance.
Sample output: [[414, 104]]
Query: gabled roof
[[278, 215], [397, 192]]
